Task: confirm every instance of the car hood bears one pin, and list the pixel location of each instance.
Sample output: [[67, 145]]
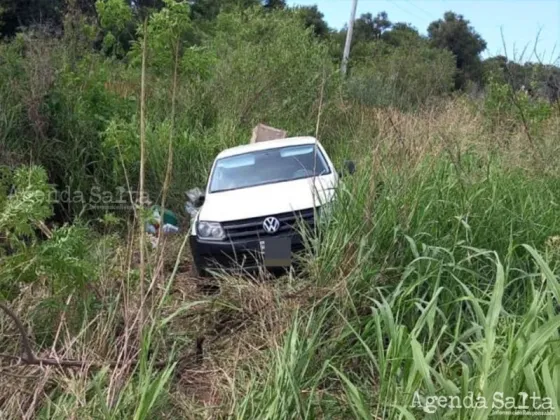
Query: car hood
[[264, 200]]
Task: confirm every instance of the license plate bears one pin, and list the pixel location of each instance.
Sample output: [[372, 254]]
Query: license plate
[[277, 252]]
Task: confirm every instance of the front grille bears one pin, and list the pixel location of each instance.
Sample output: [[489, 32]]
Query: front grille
[[253, 228]]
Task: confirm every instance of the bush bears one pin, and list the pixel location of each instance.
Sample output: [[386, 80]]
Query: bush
[[404, 78], [270, 69], [29, 251], [502, 104]]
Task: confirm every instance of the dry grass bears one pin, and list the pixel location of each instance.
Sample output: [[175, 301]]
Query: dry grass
[[394, 139], [212, 338]]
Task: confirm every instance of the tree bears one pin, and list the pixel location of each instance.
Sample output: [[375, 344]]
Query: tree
[[208, 10], [553, 85], [115, 18], [144, 8], [15, 14], [19, 13], [256, 53], [455, 34], [313, 18], [539, 80], [205, 9], [494, 68], [274, 4], [402, 34], [369, 28]]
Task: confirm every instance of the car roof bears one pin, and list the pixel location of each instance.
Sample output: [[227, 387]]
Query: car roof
[[263, 145]]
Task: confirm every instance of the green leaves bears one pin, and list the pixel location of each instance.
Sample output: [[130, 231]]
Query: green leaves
[[270, 69], [114, 15], [405, 76], [551, 279], [29, 203], [167, 31], [455, 34], [64, 257], [356, 399], [491, 323]]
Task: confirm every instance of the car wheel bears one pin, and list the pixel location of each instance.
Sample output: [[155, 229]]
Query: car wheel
[[198, 271]]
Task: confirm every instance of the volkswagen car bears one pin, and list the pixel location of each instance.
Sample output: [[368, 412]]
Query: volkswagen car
[[258, 201]]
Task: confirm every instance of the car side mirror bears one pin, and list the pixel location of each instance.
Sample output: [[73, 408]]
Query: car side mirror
[[195, 200], [349, 168], [200, 200]]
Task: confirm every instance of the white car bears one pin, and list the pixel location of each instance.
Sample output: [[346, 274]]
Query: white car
[[257, 196]]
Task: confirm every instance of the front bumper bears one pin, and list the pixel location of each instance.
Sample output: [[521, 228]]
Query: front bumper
[[234, 255]]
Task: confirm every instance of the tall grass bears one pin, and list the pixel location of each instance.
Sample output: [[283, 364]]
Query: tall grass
[[435, 276], [434, 287]]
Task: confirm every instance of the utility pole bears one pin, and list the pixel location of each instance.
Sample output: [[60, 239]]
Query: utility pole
[[346, 53]]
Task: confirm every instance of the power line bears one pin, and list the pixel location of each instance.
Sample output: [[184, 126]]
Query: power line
[[419, 8], [404, 10]]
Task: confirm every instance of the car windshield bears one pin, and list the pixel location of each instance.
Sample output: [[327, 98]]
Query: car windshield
[[267, 167]]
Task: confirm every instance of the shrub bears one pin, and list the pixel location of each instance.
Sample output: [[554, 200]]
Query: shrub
[[29, 251], [270, 68], [405, 77], [503, 103]]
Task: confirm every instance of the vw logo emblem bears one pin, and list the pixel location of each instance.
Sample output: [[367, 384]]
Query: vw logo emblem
[[271, 225]]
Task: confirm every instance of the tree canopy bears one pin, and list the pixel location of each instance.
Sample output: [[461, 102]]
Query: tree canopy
[[455, 34], [369, 28], [375, 35], [313, 18]]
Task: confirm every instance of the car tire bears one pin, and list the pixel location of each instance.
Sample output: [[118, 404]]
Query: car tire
[[198, 271], [207, 284]]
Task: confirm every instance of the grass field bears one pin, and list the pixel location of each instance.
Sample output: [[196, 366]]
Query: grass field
[[437, 275]]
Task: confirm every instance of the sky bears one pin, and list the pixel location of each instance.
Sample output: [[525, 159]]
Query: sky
[[519, 20]]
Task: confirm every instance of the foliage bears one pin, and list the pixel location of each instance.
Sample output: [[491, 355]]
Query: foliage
[[16, 14], [113, 14], [455, 34], [249, 82], [405, 77], [402, 34], [436, 272], [537, 79], [275, 4], [313, 18], [373, 37], [439, 297], [369, 28], [63, 260], [502, 102], [208, 10], [166, 31], [27, 202], [115, 17]]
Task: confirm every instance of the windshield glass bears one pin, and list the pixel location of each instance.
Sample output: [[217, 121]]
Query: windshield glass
[[267, 167]]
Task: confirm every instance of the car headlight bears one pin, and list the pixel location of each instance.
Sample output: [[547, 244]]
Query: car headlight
[[210, 230]]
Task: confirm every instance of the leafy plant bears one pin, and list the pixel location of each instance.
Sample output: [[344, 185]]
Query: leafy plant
[[62, 258], [115, 17], [27, 202]]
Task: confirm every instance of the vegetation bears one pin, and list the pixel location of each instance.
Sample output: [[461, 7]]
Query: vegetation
[[436, 274]]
